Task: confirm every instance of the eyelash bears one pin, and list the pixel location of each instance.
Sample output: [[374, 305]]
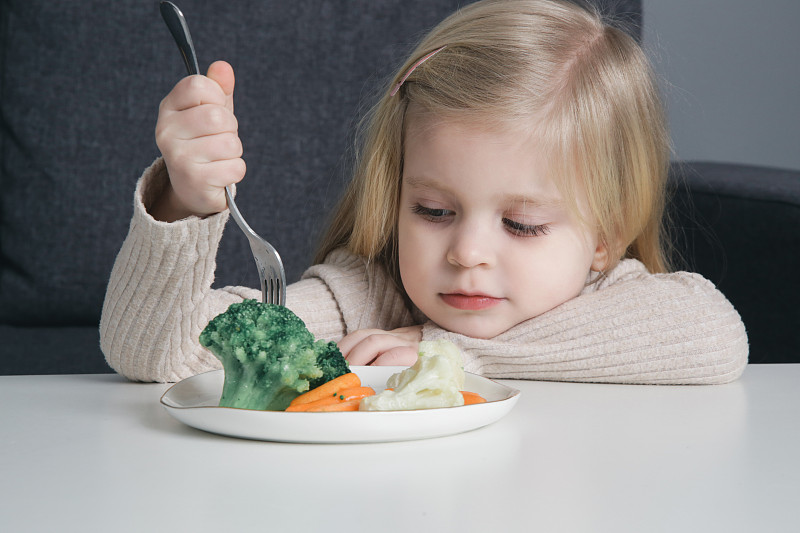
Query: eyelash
[[514, 227], [526, 230], [430, 214]]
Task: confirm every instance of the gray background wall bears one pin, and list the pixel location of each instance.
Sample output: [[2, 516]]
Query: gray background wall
[[732, 77]]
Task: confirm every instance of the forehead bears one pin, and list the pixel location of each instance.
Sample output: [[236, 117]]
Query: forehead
[[419, 119], [441, 151]]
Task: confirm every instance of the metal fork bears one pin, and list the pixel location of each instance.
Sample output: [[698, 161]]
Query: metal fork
[[268, 262]]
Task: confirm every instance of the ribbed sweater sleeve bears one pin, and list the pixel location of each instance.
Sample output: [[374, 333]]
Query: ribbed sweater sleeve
[[159, 297], [633, 327]]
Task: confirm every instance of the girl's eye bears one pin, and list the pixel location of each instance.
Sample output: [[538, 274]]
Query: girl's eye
[[526, 230], [431, 214]]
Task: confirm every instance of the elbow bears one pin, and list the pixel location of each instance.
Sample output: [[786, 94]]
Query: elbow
[[121, 353], [736, 357], [724, 337], [107, 345], [728, 361], [116, 352]]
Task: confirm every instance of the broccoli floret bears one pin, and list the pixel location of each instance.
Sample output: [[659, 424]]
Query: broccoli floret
[[268, 355], [330, 361]]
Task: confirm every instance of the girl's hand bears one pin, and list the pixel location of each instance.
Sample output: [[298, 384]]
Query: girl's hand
[[398, 347], [197, 134]]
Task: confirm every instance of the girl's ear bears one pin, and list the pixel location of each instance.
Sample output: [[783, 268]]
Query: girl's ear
[[601, 260]]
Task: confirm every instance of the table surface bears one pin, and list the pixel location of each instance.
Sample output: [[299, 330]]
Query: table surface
[[98, 453]]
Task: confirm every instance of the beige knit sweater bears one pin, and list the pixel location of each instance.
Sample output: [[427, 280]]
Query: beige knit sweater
[[632, 327]]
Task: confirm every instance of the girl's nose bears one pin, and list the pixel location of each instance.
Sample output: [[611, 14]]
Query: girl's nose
[[470, 247]]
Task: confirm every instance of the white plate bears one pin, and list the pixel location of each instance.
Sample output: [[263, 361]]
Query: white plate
[[194, 401]]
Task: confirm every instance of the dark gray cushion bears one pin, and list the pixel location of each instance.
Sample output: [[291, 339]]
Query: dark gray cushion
[[738, 226], [51, 350]]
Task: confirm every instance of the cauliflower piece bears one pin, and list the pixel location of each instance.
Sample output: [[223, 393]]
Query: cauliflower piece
[[435, 380]]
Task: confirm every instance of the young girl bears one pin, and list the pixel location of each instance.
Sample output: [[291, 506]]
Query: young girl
[[509, 197]]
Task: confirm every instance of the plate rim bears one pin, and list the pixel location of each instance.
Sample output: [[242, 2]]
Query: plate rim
[[488, 413]]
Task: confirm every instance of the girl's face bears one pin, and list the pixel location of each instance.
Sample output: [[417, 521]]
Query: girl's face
[[485, 239]]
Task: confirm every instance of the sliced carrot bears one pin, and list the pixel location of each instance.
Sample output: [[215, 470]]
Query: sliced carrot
[[471, 398], [345, 381], [310, 405], [349, 405], [353, 393]]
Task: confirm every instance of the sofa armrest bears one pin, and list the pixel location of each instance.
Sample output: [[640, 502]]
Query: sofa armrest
[[739, 226]]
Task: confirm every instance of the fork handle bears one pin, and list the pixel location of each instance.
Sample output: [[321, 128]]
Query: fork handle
[[237, 216], [176, 23], [180, 32]]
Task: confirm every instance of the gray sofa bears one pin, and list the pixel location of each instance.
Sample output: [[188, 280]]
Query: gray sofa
[[80, 86]]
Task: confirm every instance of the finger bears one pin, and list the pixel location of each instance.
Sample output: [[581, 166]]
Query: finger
[[411, 333], [219, 147], [206, 119], [222, 173], [222, 73], [192, 91], [349, 341], [205, 179], [371, 347], [400, 356]]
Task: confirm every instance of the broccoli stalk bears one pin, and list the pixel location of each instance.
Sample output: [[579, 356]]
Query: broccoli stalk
[[268, 355]]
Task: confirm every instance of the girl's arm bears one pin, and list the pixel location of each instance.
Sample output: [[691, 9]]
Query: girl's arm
[[159, 296], [634, 327]]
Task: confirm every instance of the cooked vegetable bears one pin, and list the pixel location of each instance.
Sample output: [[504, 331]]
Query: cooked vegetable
[[345, 381], [268, 355], [330, 361], [349, 405], [435, 380], [471, 398], [332, 400]]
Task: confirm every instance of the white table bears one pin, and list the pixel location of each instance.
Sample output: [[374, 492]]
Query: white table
[[96, 453]]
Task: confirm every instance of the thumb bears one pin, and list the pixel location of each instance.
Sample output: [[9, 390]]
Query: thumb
[[222, 73]]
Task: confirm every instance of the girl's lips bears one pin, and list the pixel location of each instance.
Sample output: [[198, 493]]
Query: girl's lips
[[470, 302]]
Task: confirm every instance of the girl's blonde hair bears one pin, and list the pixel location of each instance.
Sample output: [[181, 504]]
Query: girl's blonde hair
[[583, 87]]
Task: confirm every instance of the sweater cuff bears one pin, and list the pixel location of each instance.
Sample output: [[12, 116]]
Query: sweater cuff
[[152, 185], [187, 240]]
